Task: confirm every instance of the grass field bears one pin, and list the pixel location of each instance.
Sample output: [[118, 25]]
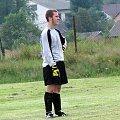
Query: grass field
[[82, 99]]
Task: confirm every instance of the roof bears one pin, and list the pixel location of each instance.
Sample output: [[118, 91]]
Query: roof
[[94, 34], [54, 4], [115, 30], [112, 9]]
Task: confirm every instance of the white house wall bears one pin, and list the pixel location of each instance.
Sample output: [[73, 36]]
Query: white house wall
[[63, 17], [41, 20], [41, 10]]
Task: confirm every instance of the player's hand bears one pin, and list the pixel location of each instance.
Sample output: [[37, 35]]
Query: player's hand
[[63, 48], [55, 71]]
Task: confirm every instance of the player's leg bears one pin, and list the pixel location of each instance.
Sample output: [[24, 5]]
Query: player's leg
[[48, 99], [57, 101]]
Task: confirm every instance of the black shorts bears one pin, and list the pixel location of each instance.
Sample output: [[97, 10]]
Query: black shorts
[[48, 77]]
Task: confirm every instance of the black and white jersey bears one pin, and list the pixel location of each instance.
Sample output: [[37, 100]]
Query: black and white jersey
[[51, 53]]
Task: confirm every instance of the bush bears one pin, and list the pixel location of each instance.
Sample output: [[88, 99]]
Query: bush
[[92, 59], [27, 52], [12, 71]]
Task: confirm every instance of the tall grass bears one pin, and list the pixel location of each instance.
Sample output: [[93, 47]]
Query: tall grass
[[20, 71], [24, 52], [94, 58]]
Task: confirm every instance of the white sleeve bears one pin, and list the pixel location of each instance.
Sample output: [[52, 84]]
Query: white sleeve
[[65, 44], [46, 52]]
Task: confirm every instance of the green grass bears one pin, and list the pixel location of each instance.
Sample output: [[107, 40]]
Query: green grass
[[94, 58], [82, 99], [16, 71]]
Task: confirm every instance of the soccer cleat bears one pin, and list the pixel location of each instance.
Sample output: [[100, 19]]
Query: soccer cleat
[[61, 113], [49, 115]]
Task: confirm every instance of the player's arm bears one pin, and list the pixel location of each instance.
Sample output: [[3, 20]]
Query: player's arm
[[47, 55]]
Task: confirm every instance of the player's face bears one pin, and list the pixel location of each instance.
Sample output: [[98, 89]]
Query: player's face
[[55, 18]]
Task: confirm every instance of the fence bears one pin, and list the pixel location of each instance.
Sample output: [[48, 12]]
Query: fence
[[94, 52], [2, 53]]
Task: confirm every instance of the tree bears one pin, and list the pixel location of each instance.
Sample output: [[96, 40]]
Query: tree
[[16, 18], [89, 16], [21, 4], [24, 5], [91, 20], [75, 4], [97, 4], [13, 6], [18, 28], [6, 7], [68, 21], [111, 1], [84, 22]]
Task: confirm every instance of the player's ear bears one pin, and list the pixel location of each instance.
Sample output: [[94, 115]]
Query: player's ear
[[50, 18]]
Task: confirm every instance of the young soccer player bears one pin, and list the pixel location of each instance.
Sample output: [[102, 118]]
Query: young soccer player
[[54, 73]]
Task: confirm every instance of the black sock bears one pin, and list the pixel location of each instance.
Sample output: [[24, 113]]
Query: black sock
[[48, 98], [57, 102]]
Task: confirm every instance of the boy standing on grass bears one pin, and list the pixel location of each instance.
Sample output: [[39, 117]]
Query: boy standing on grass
[[54, 73]]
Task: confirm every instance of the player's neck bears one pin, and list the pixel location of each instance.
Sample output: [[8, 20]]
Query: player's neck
[[51, 26]]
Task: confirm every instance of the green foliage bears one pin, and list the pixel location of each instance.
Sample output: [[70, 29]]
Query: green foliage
[[24, 52], [91, 20], [6, 7], [19, 28], [75, 4], [89, 16], [21, 4], [21, 65], [68, 21], [111, 1], [69, 36], [14, 71], [28, 52], [106, 33], [94, 58], [11, 6], [84, 21]]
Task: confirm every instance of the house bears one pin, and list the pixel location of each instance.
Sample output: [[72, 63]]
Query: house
[[90, 35], [42, 6], [113, 11], [117, 18], [115, 30]]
